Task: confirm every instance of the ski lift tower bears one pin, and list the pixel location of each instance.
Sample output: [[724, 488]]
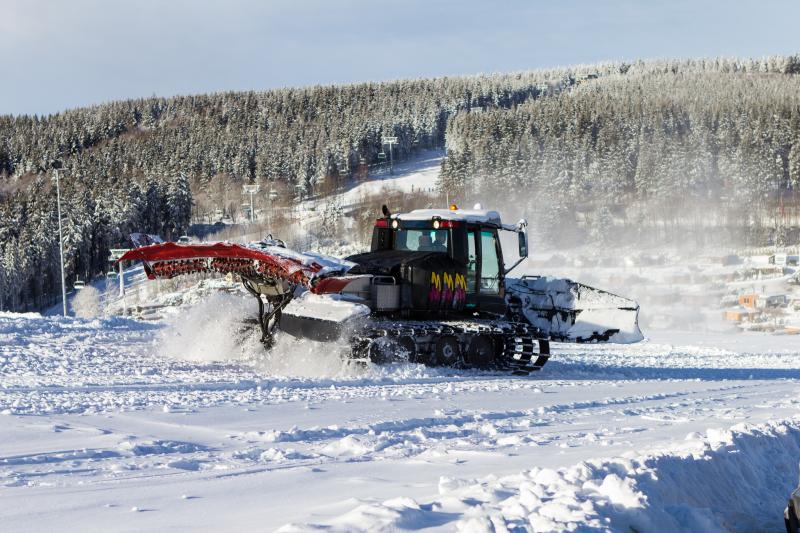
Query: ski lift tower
[[271, 196], [114, 254], [251, 189], [391, 141]]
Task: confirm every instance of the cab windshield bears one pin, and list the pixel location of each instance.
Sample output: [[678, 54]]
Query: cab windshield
[[422, 240]]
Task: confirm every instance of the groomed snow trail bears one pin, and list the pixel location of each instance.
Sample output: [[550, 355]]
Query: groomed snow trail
[[104, 431]]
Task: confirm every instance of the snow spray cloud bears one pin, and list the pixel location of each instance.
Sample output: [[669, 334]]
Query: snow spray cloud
[[86, 303], [212, 330], [215, 330], [303, 358], [679, 287]]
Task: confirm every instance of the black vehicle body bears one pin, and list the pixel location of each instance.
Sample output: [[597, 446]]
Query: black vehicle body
[[460, 279]]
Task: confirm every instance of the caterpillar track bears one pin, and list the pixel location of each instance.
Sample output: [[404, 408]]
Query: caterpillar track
[[477, 344]]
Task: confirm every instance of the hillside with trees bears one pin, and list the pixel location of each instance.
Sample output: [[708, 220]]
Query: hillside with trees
[[593, 153], [700, 152], [146, 165]]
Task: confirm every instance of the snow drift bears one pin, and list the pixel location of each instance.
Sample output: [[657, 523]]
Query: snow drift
[[736, 480]]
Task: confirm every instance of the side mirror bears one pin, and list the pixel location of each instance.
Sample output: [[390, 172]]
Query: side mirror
[[523, 244]]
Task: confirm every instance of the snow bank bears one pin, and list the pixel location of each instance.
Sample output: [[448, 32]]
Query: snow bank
[[725, 480], [16, 316]]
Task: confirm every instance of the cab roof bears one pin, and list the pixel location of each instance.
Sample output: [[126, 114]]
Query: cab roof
[[478, 216]]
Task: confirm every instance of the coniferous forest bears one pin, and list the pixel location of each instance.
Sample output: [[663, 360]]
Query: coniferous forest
[[704, 150]]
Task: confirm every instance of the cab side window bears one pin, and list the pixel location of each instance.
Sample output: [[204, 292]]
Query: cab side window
[[490, 263], [472, 263]]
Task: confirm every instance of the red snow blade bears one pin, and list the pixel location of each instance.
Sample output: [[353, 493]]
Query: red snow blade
[[168, 260]]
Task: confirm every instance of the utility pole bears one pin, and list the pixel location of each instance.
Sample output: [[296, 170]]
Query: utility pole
[[391, 141], [122, 289], [57, 165]]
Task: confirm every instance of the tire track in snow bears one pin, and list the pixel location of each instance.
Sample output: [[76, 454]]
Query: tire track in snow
[[402, 438]]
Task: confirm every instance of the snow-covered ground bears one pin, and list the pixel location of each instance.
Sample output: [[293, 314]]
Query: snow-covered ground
[[104, 428], [186, 423]]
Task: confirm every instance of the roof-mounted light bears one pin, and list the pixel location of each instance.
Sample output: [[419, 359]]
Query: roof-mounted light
[[446, 224], [436, 223], [395, 224], [381, 223], [453, 207]]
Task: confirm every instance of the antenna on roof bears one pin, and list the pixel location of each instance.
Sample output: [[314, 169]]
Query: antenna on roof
[[385, 211]]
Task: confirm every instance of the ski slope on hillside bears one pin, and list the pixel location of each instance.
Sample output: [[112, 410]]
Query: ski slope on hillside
[[418, 175], [117, 424]]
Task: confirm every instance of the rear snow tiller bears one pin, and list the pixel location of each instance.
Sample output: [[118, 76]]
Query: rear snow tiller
[[432, 289]]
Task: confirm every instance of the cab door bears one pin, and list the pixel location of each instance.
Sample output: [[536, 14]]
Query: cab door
[[485, 279]]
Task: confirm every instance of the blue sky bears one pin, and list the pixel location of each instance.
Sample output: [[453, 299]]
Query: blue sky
[[60, 54]]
